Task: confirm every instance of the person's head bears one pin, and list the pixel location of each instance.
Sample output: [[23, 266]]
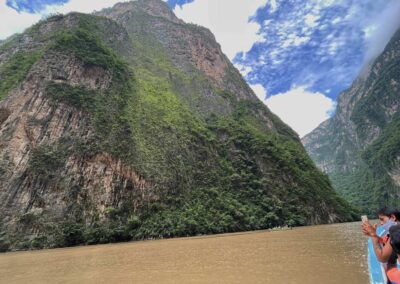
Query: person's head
[[386, 214], [394, 232]]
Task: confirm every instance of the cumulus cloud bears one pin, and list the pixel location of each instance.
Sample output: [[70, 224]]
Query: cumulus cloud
[[12, 21], [32, 6], [301, 109], [244, 70], [312, 44], [260, 91], [87, 6], [228, 20]]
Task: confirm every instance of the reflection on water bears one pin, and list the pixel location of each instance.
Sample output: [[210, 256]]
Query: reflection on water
[[318, 254]]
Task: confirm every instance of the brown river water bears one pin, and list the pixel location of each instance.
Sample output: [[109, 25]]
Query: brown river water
[[317, 254]]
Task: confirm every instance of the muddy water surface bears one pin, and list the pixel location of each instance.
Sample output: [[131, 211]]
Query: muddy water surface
[[319, 254]]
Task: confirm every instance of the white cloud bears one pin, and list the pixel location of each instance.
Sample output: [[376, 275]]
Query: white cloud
[[300, 109], [294, 40], [228, 20], [260, 91], [311, 20], [244, 70], [274, 5], [336, 20], [369, 31], [13, 22], [381, 29], [87, 6]]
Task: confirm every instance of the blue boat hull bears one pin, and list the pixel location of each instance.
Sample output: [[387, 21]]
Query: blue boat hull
[[377, 273]]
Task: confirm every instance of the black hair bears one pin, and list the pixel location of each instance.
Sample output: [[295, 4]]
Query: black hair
[[386, 211], [394, 233]]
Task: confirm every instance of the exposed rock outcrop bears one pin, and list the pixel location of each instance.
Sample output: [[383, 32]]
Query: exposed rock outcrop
[[359, 146], [131, 124]]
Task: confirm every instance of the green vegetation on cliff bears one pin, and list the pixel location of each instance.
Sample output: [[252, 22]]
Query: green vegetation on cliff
[[383, 152], [213, 172], [14, 71], [361, 154]]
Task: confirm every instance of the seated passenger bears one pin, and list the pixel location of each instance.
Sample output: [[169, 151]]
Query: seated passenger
[[387, 218], [393, 273]]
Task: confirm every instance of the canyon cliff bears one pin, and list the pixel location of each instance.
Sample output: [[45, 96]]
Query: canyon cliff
[[359, 148], [131, 124]]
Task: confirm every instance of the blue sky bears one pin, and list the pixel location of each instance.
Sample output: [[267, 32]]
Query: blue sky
[[173, 3], [318, 44], [32, 6], [302, 53], [37, 6], [298, 55]]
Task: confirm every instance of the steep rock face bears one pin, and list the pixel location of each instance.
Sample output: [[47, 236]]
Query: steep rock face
[[135, 125], [358, 147], [35, 127], [191, 48]]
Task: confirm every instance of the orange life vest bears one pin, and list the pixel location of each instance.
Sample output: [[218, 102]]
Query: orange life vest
[[393, 275]]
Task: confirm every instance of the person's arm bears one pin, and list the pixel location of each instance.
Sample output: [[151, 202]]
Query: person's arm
[[370, 231], [382, 254]]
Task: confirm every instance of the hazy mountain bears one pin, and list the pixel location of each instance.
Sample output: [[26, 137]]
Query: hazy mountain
[[131, 124], [360, 146]]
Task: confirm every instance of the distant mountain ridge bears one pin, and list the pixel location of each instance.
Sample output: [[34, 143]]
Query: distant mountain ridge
[[360, 146], [130, 124]]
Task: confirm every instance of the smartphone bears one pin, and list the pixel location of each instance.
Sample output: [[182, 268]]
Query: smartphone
[[364, 218]]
